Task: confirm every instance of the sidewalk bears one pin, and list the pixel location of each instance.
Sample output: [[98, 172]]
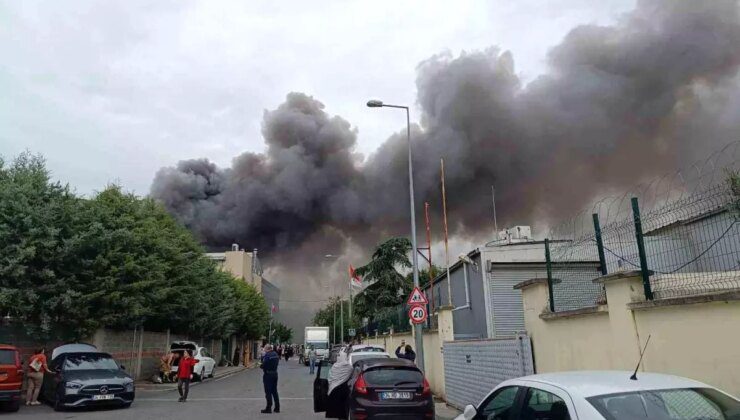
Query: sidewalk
[[221, 372], [443, 411]]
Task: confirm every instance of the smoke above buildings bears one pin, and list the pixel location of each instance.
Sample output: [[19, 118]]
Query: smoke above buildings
[[618, 104]]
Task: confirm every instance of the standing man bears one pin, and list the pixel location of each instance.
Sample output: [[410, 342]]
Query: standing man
[[311, 359], [408, 353], [184, 373], [270, 362]]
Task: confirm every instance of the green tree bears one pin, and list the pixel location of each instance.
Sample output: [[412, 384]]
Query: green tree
[[281, 333], [39, 229], [387, 286], [331, 315], [70, 265]]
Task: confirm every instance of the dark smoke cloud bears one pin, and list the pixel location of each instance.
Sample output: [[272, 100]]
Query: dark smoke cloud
[[618, 104]]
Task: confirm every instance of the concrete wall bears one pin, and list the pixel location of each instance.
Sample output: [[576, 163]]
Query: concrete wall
[[696, 337]]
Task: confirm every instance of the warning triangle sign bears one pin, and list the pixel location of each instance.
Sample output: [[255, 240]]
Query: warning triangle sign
[[417, 298]]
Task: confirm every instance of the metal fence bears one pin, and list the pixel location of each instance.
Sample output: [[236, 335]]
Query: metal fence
[[680, 231]]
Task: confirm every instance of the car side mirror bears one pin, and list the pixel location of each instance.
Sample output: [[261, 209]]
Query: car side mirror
[[123, 367], [469, 412]]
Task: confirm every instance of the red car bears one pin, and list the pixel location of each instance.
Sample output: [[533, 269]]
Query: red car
[[11, 378]]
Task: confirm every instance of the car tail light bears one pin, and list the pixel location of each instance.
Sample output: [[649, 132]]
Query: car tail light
[[359, 416], [360, 385], [426, 391]]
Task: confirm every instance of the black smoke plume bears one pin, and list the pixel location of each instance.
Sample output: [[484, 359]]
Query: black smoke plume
[[617, 104]]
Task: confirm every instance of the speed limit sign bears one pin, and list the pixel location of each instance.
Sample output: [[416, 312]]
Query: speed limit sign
[[418, 314]]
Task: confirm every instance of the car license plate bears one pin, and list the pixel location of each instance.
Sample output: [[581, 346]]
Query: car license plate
[[395, 395], [103, 397]]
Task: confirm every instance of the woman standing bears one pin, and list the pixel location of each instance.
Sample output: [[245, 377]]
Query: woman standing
[[36, 368]]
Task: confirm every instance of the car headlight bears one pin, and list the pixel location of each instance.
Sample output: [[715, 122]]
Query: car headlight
[[130, 386], [72, 387]]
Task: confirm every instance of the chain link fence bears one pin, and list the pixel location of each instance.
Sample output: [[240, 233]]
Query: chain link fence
[[680, 231]]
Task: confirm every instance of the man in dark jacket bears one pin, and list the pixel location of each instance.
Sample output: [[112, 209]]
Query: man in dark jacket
[[408, 353], [270, 362]]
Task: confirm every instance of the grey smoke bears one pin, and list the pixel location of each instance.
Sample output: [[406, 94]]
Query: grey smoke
[[618, 104]]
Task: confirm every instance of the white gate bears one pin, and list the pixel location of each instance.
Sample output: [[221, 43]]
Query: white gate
[[474, 367]]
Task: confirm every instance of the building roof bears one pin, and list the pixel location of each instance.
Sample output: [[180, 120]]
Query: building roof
[[218, 256]]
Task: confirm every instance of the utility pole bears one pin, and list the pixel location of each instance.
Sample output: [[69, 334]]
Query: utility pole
[[447, 252], [493, 198]]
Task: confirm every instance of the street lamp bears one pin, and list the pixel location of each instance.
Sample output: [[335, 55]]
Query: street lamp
[[418, 340]]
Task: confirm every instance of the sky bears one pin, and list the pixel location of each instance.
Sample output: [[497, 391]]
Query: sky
[[111, 92]]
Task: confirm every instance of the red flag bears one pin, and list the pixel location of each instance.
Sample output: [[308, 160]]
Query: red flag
[[354, 278], [274, 308]]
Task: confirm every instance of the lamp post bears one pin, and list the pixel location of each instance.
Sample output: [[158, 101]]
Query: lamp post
[[418, 340]]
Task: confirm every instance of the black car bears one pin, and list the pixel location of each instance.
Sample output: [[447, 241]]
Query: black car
[[378, 389], [84, 376]]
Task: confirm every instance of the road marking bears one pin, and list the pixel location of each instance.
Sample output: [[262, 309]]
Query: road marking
[[225, 399]]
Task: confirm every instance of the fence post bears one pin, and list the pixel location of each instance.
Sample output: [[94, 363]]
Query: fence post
[[641, 250], [599, 244], [548, 264]]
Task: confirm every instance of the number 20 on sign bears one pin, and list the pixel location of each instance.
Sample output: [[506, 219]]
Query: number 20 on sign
[[418, 314]]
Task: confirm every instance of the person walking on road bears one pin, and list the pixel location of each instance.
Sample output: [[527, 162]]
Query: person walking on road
[[269, 367], [36, 368], [184, 373], [408, 353], [311, 359]]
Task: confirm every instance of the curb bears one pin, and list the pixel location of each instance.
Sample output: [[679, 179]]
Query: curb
[[220, 374]]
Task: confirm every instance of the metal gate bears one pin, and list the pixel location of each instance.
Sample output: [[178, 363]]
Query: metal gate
[[474, 367]]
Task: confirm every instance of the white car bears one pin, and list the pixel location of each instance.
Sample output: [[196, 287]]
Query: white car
[[367, 348], [206, 366], [611, 395], [356, 356]]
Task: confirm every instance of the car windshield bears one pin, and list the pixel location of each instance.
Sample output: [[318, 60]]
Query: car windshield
[[393, 376], [318, 345], [7, 357], [89, 362], [668, 404]]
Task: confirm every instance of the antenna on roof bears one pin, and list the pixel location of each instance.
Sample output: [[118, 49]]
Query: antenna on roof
[[634, 375], [493, 199]]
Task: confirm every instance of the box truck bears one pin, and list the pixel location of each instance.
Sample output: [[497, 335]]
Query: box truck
[[318, 338]]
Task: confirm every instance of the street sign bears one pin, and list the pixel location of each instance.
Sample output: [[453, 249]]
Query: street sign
[[418, 314], [417, 298], [351, 332]]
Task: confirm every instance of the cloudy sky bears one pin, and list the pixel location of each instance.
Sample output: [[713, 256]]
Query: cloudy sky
[[111, 92]]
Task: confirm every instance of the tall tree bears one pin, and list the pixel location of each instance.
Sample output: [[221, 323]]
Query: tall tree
[[388, 287], [281, 333]]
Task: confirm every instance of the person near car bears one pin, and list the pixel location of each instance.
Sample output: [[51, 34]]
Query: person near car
[[338, 390], [408, 353], [36, 368], [185, 373], [311, 360], [269, 365]]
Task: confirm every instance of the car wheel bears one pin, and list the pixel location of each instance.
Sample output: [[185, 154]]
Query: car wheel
[[213, 372], [12, 406], [202, 375]]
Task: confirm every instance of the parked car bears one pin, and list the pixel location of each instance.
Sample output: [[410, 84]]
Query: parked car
[[379, 388], [611, 395], [84, 376], [11, 378], [206, 366]]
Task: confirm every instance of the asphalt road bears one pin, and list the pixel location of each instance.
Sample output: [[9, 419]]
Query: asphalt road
[[235, 397]]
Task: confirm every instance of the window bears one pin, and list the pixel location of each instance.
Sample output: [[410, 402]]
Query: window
[[674, 404], [541, 404], [7, 357], [393, 377], [500, 406], [89, 362]]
